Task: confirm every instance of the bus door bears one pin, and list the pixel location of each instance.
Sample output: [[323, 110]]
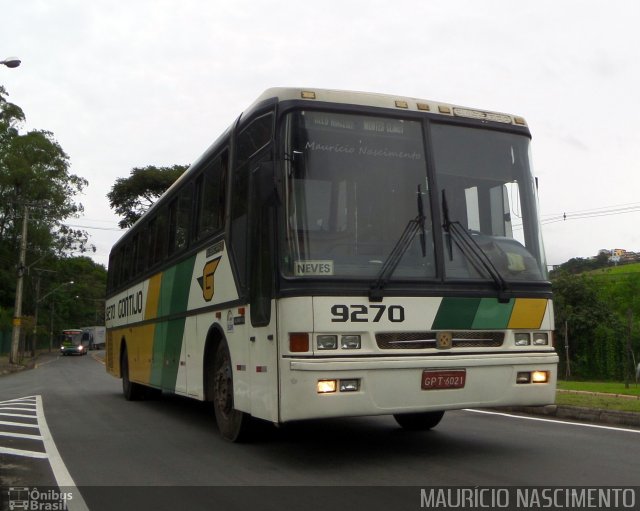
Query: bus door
[[254, 173]]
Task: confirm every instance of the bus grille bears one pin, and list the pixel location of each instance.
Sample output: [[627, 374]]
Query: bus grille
[[427, 340]]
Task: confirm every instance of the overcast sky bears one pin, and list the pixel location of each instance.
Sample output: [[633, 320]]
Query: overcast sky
[[129, 84]]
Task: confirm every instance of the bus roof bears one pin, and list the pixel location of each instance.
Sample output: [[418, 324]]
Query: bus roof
[[335, 96], [401, 103]]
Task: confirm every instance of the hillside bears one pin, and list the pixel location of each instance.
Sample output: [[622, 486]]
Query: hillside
[[616, 270]]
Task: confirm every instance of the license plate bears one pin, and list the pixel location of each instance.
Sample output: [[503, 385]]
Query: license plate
[[434, 380]]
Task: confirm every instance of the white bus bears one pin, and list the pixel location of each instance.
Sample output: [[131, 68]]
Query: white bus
[[339, 254]]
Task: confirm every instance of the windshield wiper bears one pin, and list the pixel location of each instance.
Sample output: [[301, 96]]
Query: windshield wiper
[[415, 226], [472, 251]]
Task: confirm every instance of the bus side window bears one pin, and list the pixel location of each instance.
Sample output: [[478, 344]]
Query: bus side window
[[179, 213], [152, 231], [250, 144], [211, 192], [124, 261], [161, 237], [143, 250]]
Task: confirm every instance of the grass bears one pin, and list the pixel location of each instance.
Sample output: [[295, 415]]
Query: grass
[[617, 270], [599, 386], [598, 400]]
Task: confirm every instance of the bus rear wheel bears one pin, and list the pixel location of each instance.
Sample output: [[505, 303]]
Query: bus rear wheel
[[233, 424], [132, 391], [422, 421]]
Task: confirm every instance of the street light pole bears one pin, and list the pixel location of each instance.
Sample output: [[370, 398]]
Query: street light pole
[[17, 310], [12, 62]]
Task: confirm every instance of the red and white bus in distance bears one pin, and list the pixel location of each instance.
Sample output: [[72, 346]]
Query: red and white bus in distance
[[338, 254]]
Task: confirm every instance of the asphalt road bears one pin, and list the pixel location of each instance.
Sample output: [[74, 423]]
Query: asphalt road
[[126, 455]]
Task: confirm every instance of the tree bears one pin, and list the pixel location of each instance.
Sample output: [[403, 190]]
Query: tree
[[132, 196], [578, 265], [595, 330], [34, 175]]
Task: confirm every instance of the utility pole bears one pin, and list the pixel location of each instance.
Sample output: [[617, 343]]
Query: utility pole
[[567, 370], [17, 310], [629, 350]]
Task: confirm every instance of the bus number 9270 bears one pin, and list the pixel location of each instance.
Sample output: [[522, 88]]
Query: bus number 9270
[[364, 314]]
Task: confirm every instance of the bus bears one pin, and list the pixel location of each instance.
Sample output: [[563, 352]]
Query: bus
[[337, 254], [71, 342]]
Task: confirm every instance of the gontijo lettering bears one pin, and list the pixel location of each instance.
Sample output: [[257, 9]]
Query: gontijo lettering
[[130, 305]]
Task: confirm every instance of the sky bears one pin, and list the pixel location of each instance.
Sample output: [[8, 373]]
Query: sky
[[154, 82]]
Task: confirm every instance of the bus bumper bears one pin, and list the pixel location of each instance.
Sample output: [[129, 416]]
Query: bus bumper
[[393, 385]]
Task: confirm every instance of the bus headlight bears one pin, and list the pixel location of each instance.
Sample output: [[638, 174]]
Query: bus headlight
[[525, 377], [540, 339], [539, 376], [350, 342], [327, 342], [326, 386], [522, 339], [350, 385]]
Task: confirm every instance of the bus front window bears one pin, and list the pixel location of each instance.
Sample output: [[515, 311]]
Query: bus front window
[[351, 184], [485, 181]]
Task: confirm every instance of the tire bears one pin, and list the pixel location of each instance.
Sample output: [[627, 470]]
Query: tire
[[423, 421], [234, 425], [132, 391]]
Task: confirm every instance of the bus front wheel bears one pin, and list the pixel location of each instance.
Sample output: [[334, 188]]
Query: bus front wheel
[[419, 421], [233, 424]]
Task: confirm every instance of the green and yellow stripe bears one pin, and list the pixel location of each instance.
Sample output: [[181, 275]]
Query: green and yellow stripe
[[489, 314], [154, 348]]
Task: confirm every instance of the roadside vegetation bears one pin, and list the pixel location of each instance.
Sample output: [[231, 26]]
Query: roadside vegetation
[[598, 401], [597, 306], [601, 387], [602, 395]]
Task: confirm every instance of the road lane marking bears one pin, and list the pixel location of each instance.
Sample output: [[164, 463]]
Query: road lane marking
[[21, 452], [18, 415], [554, 421], [20, 435], [98, 359], [60, 472], [18, 424], [34, 404]]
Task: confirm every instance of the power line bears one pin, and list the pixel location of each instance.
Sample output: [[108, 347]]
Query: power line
[[94, 228], [619, 209]]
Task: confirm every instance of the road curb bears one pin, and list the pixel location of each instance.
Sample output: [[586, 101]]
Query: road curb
[[579, 413]]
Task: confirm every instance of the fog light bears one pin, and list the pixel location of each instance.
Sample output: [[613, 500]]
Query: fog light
[[540, 339], [350, 342], [349, 385], [522, 339], [298, 342], [327, 342], [326, 386], [540, 376], [523, 378]]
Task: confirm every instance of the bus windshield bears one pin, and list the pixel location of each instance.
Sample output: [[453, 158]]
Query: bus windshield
[[350, 190]]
